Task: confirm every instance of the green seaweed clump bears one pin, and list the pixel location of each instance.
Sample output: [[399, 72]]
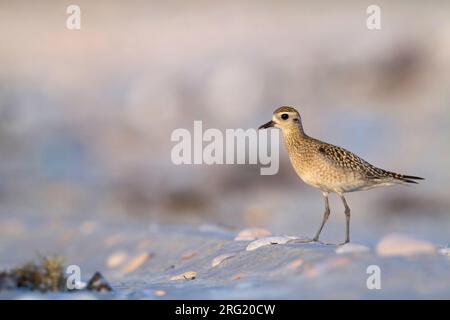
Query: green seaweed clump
[[46, 275]]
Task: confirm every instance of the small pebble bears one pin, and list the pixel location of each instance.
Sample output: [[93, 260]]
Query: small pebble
[[136, 262], [252, 234], [159, 293], [403, 245], [98, 283], [188, 275], [269, 241], [116, 259], [219, 259], [238, 276], [351, 248], [295, 264], [189, 255]]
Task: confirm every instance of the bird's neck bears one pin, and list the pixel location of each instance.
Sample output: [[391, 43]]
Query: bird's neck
[[294, 135]]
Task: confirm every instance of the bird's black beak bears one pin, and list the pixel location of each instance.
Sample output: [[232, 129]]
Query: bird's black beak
[[269, 124]]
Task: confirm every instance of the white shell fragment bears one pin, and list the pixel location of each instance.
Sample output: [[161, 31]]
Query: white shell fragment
[[188, 275], [116, 259], [295, 264], [252, 234], [351, 248], [136, 262], [403, 245], [219, 259], [269, 241], [159, 293]]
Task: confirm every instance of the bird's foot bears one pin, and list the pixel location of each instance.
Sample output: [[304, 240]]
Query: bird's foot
[[309, 240], [270, 241], [303, 240], [343, 243], [324, 243]]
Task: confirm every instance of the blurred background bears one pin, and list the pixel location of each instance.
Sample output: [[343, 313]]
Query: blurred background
[[86, 116]]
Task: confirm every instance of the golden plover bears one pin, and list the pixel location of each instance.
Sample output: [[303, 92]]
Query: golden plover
[[327, 167]]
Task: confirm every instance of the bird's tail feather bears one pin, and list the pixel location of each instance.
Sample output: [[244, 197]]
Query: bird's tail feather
[[403, 178]]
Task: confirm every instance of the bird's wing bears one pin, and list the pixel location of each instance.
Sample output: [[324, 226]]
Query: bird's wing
[[339, 157]]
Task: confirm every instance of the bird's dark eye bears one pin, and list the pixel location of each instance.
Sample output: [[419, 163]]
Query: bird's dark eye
[[284, 116]]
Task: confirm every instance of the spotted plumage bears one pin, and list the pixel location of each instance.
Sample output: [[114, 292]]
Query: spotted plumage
[[344, 158], [328, 167]]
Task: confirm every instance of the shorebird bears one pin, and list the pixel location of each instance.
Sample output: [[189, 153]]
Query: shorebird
[[328, 167]]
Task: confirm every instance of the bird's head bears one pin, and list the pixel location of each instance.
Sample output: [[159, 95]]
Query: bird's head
[[284, 118]]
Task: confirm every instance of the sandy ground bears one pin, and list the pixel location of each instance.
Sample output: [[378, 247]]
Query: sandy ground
[[144, 261]]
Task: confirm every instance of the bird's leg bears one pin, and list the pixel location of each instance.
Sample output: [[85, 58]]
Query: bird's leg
[[347, 219], [326, 214]]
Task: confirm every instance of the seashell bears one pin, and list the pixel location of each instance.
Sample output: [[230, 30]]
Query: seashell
[[159, 293], [219, 259], [188, 275], [116, 259], [269, 241], [136, 262], [403, 245]]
